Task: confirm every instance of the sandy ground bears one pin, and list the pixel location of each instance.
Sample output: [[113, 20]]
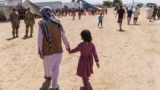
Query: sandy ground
[[129, 60]]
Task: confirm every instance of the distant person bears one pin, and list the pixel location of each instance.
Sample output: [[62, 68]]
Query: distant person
[[15, 21], [158, 14], [103, 11], [106, 11], [73, 13], [100, 18], [121, 15], [79, 13], [129, 15], [50, 37], [136, 14], [155, 11], [84, 12], [151, 13], [87, 50], [148, 12], [29, 21]]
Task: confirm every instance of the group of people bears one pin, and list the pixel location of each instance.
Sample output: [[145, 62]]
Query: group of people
[[121, 15], [29, 20], [129, 15], [81, 11], [153, 13], [50, 34]]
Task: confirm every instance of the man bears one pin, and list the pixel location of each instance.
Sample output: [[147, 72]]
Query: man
[[121, 15], [29, 21], [151, 13], [73, 13], [15, 21], [129, 15], [136, 14], [79, 13], [155, 11], [158, 14], [50, 34]]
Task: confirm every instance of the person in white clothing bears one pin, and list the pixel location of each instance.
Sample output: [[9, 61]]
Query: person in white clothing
[[50, 37], [136, 14]]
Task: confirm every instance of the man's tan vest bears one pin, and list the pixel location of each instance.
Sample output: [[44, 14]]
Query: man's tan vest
[[55, 34]]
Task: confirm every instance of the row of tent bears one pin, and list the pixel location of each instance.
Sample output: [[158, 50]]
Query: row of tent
[[6, 10]]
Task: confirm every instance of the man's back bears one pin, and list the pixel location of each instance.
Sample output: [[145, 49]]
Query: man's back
[[14, 17], [55, 34], [129, 12], [121, 12], [136, 13]]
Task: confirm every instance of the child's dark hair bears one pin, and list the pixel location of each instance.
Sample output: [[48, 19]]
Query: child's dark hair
[[86, 36], [100, 13]]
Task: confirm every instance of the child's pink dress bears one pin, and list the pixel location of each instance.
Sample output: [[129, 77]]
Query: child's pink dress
[[85, 64]]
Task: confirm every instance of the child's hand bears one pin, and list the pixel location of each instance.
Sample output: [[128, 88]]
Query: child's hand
[[68, 49], [97, 64]]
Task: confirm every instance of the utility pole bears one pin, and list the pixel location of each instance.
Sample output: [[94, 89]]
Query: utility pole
[[133, 3]]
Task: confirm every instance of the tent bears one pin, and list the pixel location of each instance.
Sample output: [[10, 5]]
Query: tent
[[52, 5], [34, 8], [5, 12], [86, 5], [71, 5]]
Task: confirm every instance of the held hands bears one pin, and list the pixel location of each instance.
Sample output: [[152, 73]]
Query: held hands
[[97, 64], [68, 49], [41, 55]]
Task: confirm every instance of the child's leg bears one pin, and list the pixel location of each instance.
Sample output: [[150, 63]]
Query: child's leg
[[86, 83], [101, 23]]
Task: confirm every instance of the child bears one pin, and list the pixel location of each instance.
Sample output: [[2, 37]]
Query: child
[[100, 20], [85, 64]]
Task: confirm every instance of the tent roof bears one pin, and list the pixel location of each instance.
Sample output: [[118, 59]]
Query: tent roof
[[34, 8], [6, 10]]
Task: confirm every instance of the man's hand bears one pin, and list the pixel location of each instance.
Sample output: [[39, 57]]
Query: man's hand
[[41, 55]]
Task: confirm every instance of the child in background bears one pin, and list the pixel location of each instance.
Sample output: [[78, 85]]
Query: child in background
[[85, 64], [100, 20]]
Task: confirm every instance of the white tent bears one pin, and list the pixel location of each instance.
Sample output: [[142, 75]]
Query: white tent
[[53, 5], [72, 5]]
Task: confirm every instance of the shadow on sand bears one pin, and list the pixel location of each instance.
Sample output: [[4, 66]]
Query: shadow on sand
[[135, 24], [121, 30], [8, 39], [45, 85], [24, 38]]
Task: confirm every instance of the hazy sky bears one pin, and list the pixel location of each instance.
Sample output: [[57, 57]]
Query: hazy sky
[[100, 1]]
